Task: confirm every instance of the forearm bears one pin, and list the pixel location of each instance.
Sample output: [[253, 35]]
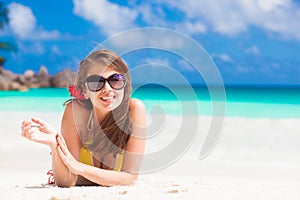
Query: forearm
[[106, 177], [63, 176]]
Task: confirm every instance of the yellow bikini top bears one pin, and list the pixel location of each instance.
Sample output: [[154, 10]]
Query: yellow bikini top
[[87, 158]]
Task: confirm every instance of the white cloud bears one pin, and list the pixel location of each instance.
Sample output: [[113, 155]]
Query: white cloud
[[109, 17], [228, 17], [35, 48], [232, 17], [185, 66], [24, 24], [22, 20], [269, 5], [157, 62], [224, 57], [41, 34], [253, 50], [55, 50], [152, 15], [141, 38], [191, 28]]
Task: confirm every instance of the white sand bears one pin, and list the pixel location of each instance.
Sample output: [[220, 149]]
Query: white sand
[[254, 159]]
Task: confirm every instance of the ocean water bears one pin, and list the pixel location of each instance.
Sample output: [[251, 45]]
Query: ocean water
[[253, 102]]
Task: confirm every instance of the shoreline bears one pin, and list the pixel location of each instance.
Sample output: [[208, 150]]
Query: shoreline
[[239, 103]]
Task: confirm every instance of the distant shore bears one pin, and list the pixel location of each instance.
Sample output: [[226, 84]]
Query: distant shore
[[42, 79]]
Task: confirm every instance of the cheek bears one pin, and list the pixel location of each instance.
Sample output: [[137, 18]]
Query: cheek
[[86, 93], [119, 98], [92, 96]]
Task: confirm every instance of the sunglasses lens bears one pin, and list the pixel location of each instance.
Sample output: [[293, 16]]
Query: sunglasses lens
[[95, 83], [117, 81]]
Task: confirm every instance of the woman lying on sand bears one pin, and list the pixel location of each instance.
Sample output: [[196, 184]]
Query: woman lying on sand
[[103, 131]]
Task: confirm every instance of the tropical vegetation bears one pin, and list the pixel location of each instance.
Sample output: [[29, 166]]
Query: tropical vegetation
[[4, 45]]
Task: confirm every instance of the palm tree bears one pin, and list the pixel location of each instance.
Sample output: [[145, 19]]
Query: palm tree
[[3, 15], [4, 46]]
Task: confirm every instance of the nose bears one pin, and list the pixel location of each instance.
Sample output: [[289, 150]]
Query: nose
[[106, 88]]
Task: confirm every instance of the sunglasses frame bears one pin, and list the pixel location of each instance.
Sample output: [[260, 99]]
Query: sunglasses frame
[[104, 80]]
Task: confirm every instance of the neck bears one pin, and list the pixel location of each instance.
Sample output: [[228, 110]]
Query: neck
[[100, 114]]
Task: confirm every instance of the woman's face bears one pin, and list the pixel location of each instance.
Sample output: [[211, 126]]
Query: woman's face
[[107, 98]]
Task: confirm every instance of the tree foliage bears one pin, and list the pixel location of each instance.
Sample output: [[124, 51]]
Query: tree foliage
[[3, 15], [4, 20]]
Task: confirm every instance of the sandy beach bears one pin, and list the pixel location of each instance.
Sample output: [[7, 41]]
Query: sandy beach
[[254, 159]]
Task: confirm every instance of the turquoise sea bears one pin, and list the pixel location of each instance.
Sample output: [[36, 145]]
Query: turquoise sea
[[253, 102]]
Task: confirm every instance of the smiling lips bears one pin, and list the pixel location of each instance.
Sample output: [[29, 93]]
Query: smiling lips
[[107, 99]]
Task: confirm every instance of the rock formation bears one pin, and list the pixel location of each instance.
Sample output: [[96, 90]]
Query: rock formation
[[22, 82]]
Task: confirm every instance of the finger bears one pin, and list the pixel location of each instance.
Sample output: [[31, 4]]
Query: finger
[[61, 141], [61, 154], [28, 133], [43, 126], [61, 145], [63, 157], [25, 123], [25, 130], [64, 146], [39, 121], [32, 136], [23, 133]]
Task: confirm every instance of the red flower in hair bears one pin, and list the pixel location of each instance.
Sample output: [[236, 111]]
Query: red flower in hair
[[76, 93]]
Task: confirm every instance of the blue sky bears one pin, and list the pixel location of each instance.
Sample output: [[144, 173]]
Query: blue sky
[[251, 41]]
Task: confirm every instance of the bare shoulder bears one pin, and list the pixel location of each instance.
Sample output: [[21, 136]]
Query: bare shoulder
[[74, 117], [68, 117], [74, 109], [138, 113], [137, 106], [73, 105], [71, 127]]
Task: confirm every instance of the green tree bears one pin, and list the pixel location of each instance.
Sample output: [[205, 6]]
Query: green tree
[[4, 46]]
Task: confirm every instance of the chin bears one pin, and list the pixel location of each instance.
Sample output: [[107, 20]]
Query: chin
[[107, 108]]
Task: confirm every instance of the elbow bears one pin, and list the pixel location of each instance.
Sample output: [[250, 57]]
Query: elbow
[[131, 180], [65, 185], [65, 182]]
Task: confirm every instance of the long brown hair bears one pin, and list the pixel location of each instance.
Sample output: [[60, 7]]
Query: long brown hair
[[113, 133]]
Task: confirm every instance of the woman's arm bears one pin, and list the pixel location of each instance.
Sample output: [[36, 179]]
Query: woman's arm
[[136, 144], [39, 131], [63, 176], [132, 158]]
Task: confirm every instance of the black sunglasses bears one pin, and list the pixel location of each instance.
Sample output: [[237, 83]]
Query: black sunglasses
[[95, 82]]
